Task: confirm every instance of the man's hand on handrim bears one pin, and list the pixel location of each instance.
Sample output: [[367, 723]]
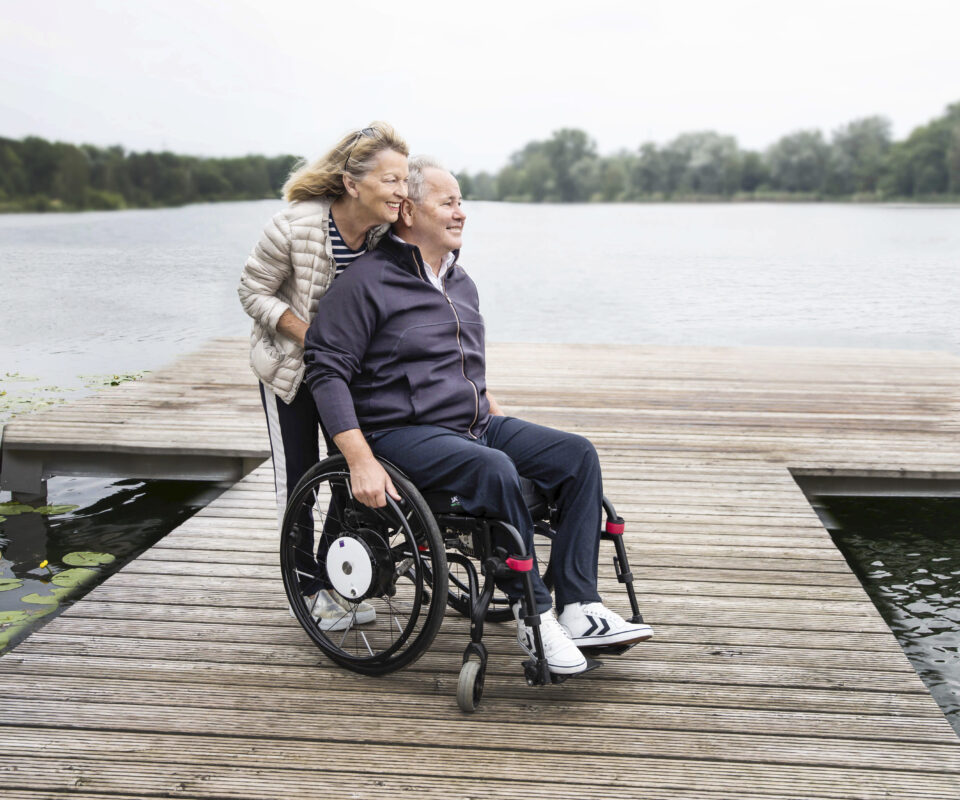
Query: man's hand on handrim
[[369, 481]]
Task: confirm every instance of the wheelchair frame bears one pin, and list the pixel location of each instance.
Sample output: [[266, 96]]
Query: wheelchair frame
[[398, 558]]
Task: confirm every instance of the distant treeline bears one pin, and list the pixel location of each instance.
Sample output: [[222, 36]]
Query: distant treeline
[[37, 175], [859, 161]]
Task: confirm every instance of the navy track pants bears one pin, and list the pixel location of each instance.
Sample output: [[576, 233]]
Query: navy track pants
[[485, 472]]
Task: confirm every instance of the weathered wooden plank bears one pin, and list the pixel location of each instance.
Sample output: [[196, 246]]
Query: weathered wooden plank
[[706, 665], [500, 687], [596, 744], [404, 770]]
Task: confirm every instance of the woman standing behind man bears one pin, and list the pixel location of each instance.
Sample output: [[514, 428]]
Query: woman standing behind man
[[339, 206]]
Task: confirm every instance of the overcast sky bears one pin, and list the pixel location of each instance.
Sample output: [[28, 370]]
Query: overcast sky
[[469, 82]]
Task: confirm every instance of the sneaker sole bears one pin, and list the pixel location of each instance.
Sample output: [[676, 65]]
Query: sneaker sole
[[573, 670], [363, 617], [348, 619], [344, 622], [336, 625], [626, 637]]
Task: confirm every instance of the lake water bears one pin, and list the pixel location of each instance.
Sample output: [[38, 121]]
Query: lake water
[[84, 297], [119, 292]]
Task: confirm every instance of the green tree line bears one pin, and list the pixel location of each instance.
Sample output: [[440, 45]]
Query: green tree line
[[37, 175], [859, 161]]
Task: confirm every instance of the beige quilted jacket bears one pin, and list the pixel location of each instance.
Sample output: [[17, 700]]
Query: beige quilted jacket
[[290, 268]]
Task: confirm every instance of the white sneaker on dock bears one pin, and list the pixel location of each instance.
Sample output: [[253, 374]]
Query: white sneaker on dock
[[561, 653], [595, 625], [333, 613]]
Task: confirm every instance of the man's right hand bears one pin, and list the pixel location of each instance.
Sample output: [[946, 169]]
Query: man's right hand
[[370, 484], [369, 481]]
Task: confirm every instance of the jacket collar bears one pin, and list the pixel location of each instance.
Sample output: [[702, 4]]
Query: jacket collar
[[408, 256]]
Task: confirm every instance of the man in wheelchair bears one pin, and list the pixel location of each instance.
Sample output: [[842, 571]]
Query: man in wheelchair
[[395, 361]]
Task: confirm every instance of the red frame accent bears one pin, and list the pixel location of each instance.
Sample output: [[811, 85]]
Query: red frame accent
[[520, 564], [615, 528]]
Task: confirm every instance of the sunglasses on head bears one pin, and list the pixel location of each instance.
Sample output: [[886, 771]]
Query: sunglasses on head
[[369, 132]]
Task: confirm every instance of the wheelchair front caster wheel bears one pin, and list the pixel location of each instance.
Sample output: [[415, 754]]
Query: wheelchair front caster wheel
[[470, 686]]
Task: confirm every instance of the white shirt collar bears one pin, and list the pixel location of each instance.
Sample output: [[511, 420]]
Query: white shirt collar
[[445, 264]]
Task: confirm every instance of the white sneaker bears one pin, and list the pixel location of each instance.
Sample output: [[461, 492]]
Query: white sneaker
[[334, 613], [595, 625], [364, 611], [561, 653]]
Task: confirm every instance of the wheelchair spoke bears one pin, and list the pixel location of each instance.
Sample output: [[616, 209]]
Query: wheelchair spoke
[[393, 616], [364, 637], [346, 632]]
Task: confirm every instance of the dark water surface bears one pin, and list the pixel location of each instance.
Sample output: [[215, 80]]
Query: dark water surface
[[906, 553], [111, 523]]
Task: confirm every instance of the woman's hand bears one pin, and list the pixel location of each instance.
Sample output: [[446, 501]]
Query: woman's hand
[[291, 326], [495, 410], [369, 481]]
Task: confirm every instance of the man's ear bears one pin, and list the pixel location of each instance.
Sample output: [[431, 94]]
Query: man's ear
[[406, 212]]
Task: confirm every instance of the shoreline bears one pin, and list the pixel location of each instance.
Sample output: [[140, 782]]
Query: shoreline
[[945, 202]]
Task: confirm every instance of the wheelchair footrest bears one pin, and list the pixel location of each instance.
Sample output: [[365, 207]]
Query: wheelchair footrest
[[592, 664], [610, 650], [538, 674]]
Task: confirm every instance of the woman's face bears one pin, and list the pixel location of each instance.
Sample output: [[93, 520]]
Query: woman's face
[[384, 187]]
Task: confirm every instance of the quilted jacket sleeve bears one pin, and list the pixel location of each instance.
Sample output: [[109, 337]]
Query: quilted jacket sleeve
[[265, 270]]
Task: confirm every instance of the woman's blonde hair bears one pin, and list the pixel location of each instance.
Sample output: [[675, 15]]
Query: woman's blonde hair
[[353, 155]]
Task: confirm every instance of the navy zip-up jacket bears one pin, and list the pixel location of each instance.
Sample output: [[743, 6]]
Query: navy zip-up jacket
[[387, 350]]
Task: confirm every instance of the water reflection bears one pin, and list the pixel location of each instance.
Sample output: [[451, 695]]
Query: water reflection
[[906, 553]]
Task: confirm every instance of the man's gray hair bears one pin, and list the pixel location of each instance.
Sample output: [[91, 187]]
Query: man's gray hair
[[416, 166]]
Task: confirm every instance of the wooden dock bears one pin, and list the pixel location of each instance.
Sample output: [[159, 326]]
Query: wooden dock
[[195, 420], [771, 676]]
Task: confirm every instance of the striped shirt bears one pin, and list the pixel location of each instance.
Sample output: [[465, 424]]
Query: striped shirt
[[342, 255]]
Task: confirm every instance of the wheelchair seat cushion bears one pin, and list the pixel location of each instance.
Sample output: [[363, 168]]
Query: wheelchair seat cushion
[[449, 503]]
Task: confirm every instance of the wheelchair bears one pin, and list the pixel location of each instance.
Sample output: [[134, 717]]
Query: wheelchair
[[411, 559]]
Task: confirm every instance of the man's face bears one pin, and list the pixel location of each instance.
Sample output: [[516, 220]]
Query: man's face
[[438, 220]]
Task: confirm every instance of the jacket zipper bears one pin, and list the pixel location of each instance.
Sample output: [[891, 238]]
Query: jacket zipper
[[463, 362]]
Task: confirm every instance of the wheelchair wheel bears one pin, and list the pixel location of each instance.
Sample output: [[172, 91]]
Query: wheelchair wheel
[[387, 566], [470, 685]]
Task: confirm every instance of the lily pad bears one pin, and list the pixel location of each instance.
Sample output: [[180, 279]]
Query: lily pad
[[8, 617], [40, 599], [70, 578], [6, 584], [48, 510], [3, 519], [12, 509], [87, 559], [111, 380]]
